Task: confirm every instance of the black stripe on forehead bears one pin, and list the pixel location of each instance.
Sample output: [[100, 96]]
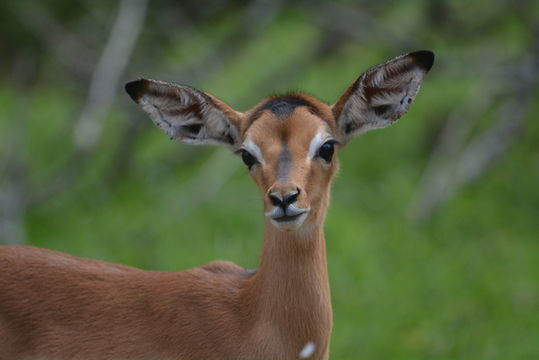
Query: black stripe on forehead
[[283, 106]]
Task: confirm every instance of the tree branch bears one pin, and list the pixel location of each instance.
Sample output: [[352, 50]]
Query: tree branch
[[109, 69], [66, 47], [456, 162], [257, 16], [101, 94]]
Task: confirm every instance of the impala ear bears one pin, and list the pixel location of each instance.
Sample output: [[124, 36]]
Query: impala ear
[[185, 113], [382, 94]]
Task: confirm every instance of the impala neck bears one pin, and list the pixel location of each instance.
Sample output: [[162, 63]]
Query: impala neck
[[293, 270], [291, 287], [293, 256]]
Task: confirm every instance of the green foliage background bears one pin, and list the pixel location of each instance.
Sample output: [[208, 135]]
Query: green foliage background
[[462, 284]]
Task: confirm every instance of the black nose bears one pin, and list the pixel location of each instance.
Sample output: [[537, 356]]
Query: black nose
[[288, 199]]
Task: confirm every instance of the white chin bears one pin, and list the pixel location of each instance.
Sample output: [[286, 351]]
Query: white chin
[[290, 225]]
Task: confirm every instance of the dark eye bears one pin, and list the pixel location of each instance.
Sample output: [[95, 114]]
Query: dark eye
[[248, 159], [326, 151]]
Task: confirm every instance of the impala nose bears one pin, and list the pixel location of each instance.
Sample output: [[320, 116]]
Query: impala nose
[[286, 212], [277, 199]]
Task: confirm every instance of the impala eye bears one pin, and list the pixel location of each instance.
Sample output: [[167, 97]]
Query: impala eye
[[326, 151], [248, 159]]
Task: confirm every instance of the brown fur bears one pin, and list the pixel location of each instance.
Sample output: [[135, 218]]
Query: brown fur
[[56, 306]]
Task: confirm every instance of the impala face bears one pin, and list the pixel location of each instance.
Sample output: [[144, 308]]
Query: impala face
[[289, 148], [288, 143]]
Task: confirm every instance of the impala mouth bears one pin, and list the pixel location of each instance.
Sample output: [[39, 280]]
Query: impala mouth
[[287, 218], [291, 218]]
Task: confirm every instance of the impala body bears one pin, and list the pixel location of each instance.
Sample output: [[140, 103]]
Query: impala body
[[56, 306]]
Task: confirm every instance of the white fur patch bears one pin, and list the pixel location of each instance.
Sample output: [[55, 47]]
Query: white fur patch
[[318, 140], [254, 150], [307, 351]]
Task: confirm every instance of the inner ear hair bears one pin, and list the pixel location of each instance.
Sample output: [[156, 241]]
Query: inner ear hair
[[185, 113], [382, 94]]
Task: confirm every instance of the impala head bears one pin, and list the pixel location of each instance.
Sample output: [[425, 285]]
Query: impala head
[[288, 143]]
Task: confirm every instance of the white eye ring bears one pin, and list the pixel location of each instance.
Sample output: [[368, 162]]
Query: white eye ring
[[317, 142], [254, 150]]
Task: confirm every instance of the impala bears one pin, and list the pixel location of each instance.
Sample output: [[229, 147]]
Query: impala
[[56, 306]]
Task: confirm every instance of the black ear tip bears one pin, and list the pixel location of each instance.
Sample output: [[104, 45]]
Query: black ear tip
[[423, 58], [136, 89]]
